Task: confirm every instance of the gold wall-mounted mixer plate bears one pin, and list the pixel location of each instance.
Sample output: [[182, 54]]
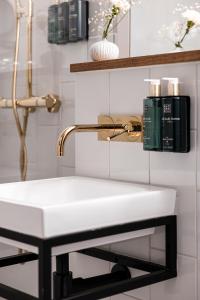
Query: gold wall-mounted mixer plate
[[133, 128]]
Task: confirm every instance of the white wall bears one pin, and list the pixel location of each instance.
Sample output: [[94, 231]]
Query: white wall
[[122, 92], [148, 18]]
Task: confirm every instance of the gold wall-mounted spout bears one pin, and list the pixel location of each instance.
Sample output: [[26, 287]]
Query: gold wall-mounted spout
[[84, 128], [109, 128]]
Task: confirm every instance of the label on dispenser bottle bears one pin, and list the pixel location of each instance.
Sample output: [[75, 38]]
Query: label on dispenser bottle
[[148, 130], [52, 24], [63, 26], [152, 121], [168, 125]]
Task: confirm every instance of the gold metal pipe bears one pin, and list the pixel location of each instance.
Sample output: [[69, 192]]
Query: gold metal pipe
[[29, 50], [22, 128], [29, 75], [23, 149], [51, 102], [34, 102], [29, 86], [23, 103], [14, 88], [85, 128]]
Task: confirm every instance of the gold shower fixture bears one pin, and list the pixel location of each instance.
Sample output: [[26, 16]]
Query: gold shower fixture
[[50, 102], [30, 101]]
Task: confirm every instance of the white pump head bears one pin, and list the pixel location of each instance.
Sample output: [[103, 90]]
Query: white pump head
[[173, 86], [155, 87]]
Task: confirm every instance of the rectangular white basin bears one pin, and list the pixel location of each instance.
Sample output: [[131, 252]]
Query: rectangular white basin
[[54, 207]]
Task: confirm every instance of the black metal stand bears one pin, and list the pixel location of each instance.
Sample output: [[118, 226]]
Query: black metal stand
[[65, 287]]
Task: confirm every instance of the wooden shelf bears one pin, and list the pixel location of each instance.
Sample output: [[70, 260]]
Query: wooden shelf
[[141, 61]]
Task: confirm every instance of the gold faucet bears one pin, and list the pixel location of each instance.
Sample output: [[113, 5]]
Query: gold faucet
[[119, 128], [84, 128]]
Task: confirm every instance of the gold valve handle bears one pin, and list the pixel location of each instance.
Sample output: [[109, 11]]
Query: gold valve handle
[[131, 131], [110, 138]]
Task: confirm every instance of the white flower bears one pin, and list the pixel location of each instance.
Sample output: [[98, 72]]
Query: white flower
[[192, 15], [176, 31], [123, 5]]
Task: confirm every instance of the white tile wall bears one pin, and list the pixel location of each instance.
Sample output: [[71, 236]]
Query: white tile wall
[[182, 288], [123, 94], [92, 160], [179, 171], [123, 297]]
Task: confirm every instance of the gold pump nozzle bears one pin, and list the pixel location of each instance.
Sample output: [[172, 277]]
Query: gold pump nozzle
[[155, 87], [173, 86]]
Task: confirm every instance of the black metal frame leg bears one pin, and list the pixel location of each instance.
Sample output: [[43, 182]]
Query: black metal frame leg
[[171, 245], [45, 267], [62, 278]]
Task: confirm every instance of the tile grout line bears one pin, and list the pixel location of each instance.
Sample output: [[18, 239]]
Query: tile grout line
[[179, 254], [150, 257], [149, 71], [109, 111], [196, 171], [130, 24], [109, 94]]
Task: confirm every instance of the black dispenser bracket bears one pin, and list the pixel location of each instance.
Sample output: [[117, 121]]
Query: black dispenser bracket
[[65, 287]]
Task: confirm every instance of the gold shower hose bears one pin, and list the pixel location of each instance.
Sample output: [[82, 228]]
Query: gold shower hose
[[22, 128]]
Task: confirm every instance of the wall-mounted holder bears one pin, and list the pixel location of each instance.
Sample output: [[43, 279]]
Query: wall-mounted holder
[[99, 287], [132, 131]]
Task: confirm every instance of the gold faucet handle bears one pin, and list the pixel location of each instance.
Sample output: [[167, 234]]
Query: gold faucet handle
[[52, 102], [131, 128], [110, 138]]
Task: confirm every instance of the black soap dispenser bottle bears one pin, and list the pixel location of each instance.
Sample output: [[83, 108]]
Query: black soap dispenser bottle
[[63, 23], [175, 119], [53, 22], [78, 20], [152, 117]]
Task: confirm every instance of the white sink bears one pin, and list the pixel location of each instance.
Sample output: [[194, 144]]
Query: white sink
[[53, 207]]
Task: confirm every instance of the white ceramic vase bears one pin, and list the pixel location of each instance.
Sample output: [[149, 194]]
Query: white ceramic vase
[[104, 50]]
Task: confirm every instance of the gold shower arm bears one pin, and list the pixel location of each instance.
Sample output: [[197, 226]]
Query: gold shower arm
[[51, 102]]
